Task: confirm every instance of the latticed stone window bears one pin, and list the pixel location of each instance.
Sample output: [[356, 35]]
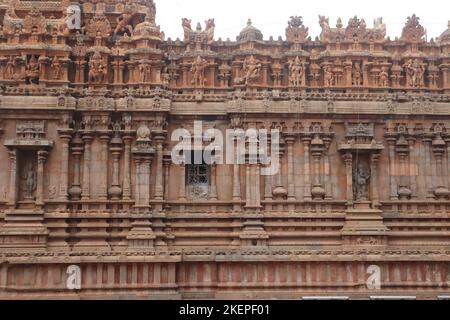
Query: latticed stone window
[[198, 179]]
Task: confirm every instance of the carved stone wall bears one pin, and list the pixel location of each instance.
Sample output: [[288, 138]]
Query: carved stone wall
[[87, 178]]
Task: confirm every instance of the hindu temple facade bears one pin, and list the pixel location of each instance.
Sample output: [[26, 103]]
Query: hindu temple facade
[[91, 93]]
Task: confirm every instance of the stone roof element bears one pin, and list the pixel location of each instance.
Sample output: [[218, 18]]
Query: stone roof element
[[413, 30], [445, 37], [250, 33], [355, 30]]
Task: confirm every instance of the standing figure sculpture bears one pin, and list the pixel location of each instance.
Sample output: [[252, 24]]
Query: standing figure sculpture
[[30, 181], [198, 72], [357, 74], [361, 182], [328, 76], [296, 72]]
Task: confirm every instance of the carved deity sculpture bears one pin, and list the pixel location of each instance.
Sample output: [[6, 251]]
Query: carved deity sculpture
[[414, 73], [30, 181], [10, 68], [361, 182], [32, 71], [252, 71], [97, 69], [384, 77], [209, 29], [187, 27], [198, 72], [145, 72], [56, 68], [357, 74], [296, 72], [326, 29], [125, 22], [328, 75]]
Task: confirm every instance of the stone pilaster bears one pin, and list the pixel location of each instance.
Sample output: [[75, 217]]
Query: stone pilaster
[[42, 159], [13, 173], [307, 168], [317, 146], [116, 150], [126, 194], [348, 160], [213, 193], [290, 140], [392, 170], [103, 186], [77, 151], [86, 187], [65, 136]]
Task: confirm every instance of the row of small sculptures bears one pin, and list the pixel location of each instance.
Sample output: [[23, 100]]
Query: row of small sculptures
[[413, 70]]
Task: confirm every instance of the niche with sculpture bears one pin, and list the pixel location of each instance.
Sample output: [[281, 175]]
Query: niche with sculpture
[[27, 176], [361, 179]]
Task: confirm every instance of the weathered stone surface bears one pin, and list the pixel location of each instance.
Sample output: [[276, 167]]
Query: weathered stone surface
[[87, 178]]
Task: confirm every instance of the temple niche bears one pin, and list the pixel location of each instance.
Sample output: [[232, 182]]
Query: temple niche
[[94, 95]]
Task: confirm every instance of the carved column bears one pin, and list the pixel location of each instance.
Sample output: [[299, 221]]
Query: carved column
[[291, 180], [126, 195], [116, 150], [65, 136], [328, 172], [413, 166], [86, 189], [13, 185], [104, 140], [307, 169], [159, 183], [77, 151], [182, 186], [374, 161], [428, 172], [439, 147], [167, 162], [137, 193], [318, 192], [237, 178], [402, 148], [42, 158], [392, 171], [348, 160], [213, 192]]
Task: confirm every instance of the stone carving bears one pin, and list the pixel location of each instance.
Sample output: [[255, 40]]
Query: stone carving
[[145, 72], [10, 68], [125, 22], [328, 75], [415, 72], [56, 68], [198, 72], [413, 30], [296, 32], [251, 70], [296, 73], [32, 70], [326, 30], [357, 74], [361, 182], [98, 27], [199, 35], [35, 23], [383, 77], [30, 181], [30, 130], [97, 68]]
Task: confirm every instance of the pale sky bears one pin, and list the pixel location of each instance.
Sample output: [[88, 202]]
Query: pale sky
[[271, 16]]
